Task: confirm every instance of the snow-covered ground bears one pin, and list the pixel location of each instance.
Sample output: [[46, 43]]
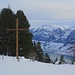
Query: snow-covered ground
[[10, 66]]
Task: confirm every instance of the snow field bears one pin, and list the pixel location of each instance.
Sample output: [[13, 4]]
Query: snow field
[[10, 66]]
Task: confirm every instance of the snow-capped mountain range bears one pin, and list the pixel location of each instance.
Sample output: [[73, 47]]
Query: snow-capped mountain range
[[55, 38]]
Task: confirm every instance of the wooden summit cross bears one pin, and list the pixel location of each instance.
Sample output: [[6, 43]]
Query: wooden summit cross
[[17, 29]]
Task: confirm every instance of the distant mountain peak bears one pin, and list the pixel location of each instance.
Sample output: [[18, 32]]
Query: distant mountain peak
[[54, 38]]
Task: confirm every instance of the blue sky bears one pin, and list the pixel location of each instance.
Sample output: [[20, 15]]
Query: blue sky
[[40, 12]]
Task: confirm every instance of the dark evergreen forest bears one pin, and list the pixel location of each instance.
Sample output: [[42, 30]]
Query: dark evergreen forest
[[27, 48]]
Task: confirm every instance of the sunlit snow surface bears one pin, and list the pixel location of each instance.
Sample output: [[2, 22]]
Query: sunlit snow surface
[[10, 66]]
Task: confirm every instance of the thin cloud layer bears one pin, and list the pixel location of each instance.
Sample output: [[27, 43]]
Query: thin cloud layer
[[43, 9]]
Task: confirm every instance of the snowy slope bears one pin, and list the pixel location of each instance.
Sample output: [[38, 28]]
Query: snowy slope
[[52, 37], [10, 66]]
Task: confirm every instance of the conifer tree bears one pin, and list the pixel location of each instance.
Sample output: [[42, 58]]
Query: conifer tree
[[47, 58], [7, 20], [25, 37], [39, 52], [33, 51], [61, 60]]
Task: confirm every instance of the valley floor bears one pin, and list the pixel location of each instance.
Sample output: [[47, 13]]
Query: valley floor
[[10, 66]]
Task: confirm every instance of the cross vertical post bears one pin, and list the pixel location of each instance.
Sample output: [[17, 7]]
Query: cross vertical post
[[17, 39], [17, 29]]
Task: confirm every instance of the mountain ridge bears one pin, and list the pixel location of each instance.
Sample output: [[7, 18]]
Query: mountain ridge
[[52, 37]]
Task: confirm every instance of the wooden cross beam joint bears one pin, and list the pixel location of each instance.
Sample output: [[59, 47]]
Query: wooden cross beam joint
[[17, 29]]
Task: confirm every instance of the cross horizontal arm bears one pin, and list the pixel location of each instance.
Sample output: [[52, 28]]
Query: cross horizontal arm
[[22, 29], [15, 29]]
